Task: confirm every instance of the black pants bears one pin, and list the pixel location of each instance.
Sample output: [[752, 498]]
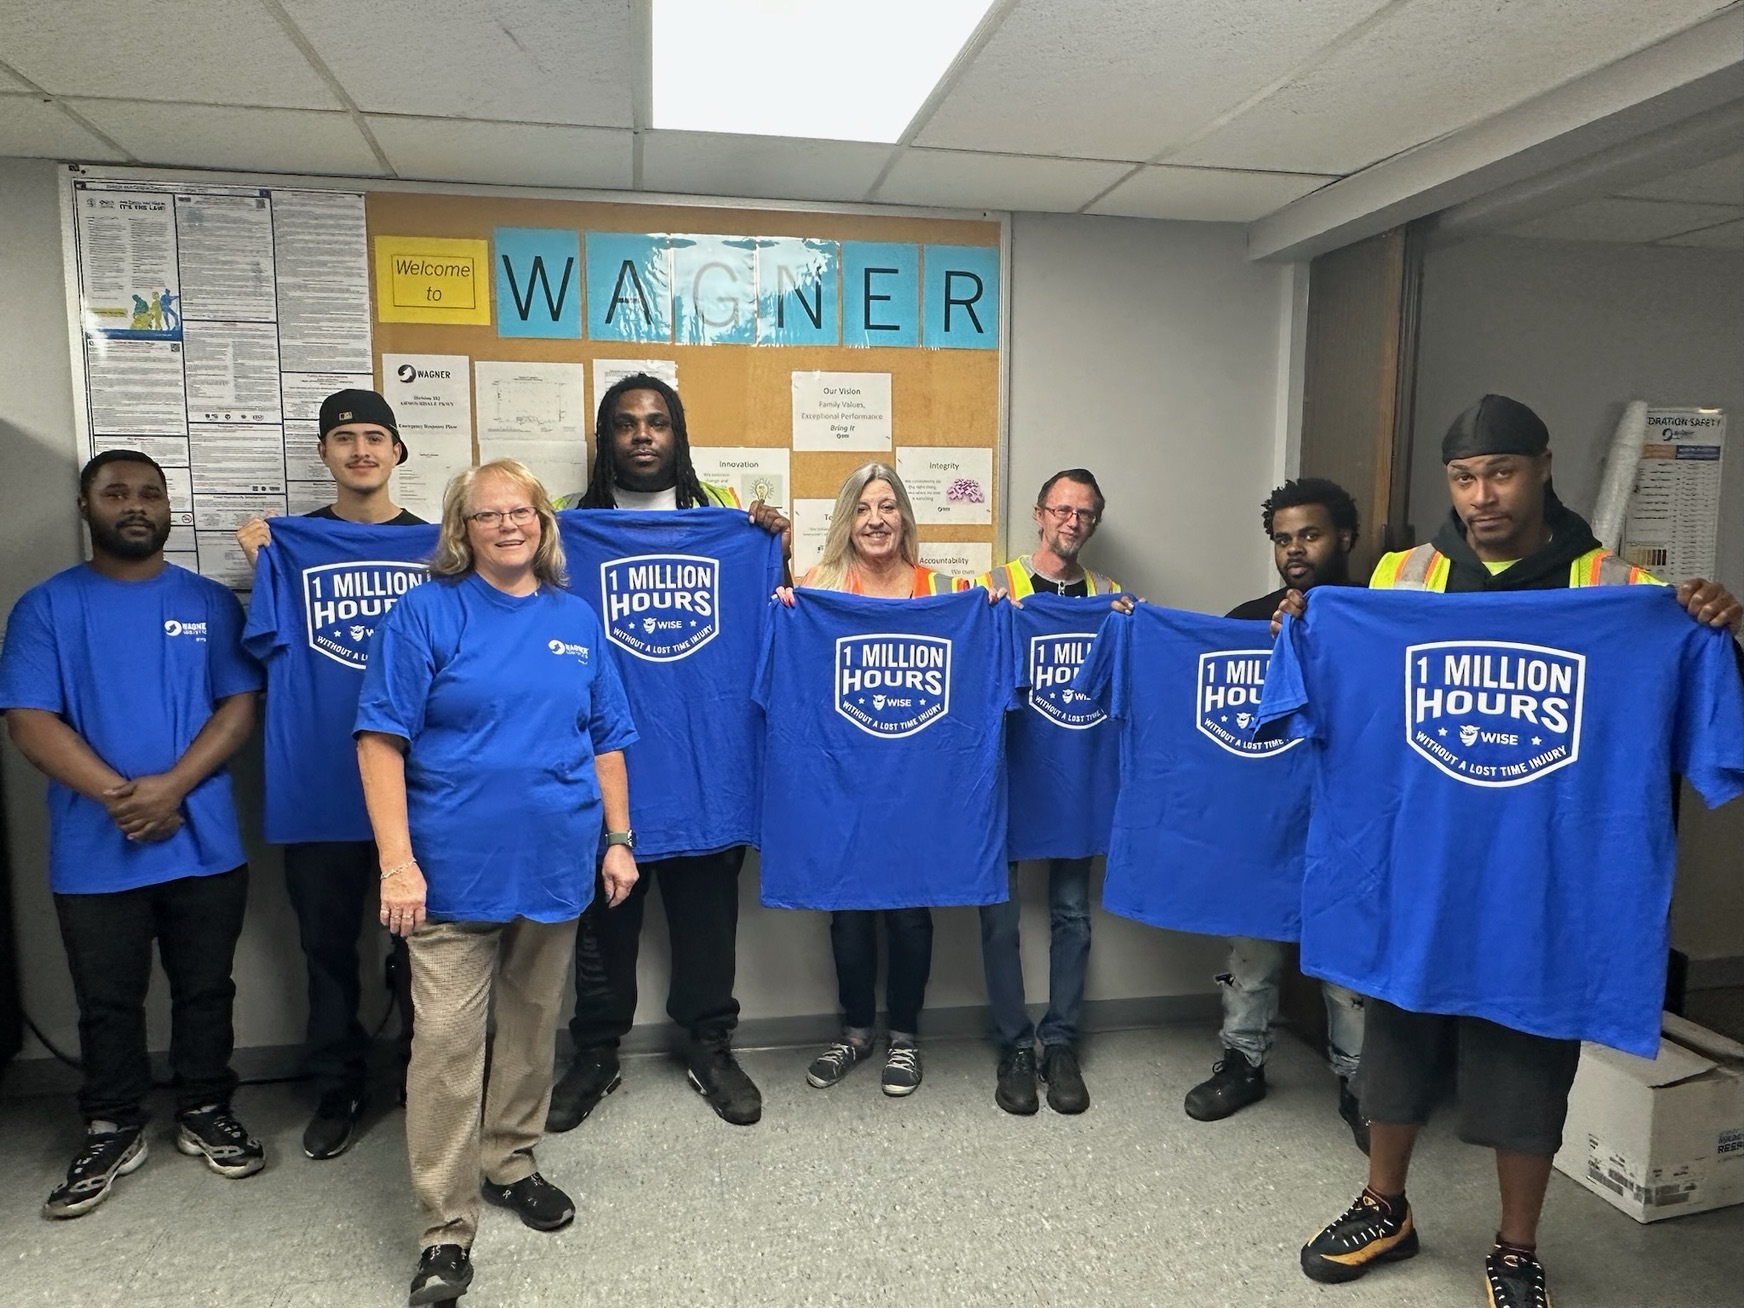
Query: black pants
[[196, 922], [701, 894], [333, 886], [909, 946]]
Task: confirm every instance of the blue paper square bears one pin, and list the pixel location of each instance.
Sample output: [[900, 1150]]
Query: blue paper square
[[880, 293], [714, 289], [797, 299], [961, 298], [629, 287], [538, 277]]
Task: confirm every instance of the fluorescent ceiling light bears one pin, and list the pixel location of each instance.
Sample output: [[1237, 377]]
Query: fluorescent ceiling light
[[842, 70]]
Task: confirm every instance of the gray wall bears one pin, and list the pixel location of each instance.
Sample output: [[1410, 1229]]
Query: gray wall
[[1149, 352], [1576, 330]]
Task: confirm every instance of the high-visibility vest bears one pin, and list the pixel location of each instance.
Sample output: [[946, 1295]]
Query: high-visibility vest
[[926, 582], [1017, 580], [724, 497], [1427, 568]]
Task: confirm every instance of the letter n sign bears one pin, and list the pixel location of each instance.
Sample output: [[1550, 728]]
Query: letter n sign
[[538, 276], [960, 297]]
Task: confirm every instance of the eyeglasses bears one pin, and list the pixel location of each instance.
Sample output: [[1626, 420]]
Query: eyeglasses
[[1061, 513], [488, 518]]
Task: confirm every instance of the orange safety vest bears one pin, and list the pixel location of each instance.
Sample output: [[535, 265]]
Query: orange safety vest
[[1017, 579], [1427, 568]]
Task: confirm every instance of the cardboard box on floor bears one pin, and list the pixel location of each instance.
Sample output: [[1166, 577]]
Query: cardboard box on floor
[[1661, 1137]]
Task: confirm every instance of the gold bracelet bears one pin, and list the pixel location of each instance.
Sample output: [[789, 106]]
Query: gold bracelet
[[399, 867]]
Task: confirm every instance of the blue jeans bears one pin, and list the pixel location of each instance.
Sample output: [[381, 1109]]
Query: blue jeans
[[1068, 956], [1250, 1004]]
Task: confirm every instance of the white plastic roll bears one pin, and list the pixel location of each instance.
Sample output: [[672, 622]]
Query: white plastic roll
[[1613, 501]]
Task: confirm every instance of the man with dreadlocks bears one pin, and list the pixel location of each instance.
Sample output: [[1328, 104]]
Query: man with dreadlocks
[[642, 461]]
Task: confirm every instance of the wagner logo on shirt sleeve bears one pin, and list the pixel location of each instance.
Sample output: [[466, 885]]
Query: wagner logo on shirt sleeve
[[661, 607], [1228, 701], [893, 685], [343, 602], [1053, 662], [1491, 712]]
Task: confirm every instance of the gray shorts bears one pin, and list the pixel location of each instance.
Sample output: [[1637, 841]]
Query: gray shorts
[[1512, 1088]]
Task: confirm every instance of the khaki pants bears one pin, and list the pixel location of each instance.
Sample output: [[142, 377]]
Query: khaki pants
[[458, 1128]]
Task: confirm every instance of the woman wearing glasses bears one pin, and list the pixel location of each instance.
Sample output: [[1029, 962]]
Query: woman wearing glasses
[[490, 737]]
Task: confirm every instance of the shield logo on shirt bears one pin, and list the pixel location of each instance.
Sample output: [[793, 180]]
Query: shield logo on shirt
[[1492, 712], [1228, 701], [344, 602], [893, 685], [661, 607], [1053, 662]]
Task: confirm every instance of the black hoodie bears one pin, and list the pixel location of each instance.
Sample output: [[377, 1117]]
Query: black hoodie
[[1546, 569]]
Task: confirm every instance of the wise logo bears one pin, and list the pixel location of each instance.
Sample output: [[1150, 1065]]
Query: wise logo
[[173, 628], [1492, 712], [343, 602], [1227, 705], [1053, 662], [892, 685], [661, 607]]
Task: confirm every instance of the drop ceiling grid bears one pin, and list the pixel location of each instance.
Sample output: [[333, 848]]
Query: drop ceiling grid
[[1431, 68], [1727, 236], [954, 178], [218, 50], [1719, 181], [1205, 194], [31, 128], [1616, 218], [247, 140], [540, 61], [506, 154], [760, 167], [1126, 79]]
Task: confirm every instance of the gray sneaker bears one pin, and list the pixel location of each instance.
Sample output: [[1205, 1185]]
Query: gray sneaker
[[901, 1068], [836, 1062]]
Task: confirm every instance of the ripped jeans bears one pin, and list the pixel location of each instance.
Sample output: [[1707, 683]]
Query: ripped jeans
[[1250, 1005]]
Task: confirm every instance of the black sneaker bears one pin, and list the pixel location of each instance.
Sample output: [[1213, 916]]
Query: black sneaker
[[836, 1062], [533, 1199], [1367, 1234], [1235, 1083], [901, 1069], [1351, 1111], [444, 1273], [213, 1133], [593, 1074], [716, 1075], [109, 1151], [1515, 1279], [1067, 1092], [333, 1128], [1016, 1089]]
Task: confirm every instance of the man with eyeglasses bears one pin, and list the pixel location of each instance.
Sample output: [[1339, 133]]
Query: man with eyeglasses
[[330, 882], [1066, 514]]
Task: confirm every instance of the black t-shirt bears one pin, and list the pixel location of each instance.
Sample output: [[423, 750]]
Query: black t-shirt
[[405, 517], [1047, 586], [1261, 608]]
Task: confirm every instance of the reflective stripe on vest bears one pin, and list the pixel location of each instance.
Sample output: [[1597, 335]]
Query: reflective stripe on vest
[[1426, 568], [1019, 581]]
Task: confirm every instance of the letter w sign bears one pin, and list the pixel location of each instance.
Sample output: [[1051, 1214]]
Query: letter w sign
[[538, 282]]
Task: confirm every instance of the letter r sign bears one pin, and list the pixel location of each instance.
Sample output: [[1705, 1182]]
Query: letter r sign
[[960, 297]]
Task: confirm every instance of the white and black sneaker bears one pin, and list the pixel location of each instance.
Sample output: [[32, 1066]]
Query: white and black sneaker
[[901, 1068], [109, 1151], [213, 1133]]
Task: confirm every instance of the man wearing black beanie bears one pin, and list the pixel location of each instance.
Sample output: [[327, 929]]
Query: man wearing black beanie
[[1507, 531]]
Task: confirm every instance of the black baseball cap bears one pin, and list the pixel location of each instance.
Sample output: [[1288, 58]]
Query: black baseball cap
[[342, 407]]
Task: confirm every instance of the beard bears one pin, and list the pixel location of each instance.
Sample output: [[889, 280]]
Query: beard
[[661, 477], [109, 540]]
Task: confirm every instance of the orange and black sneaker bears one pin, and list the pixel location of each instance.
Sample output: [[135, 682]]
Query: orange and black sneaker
[[1371, 1231], [1515, 1279]]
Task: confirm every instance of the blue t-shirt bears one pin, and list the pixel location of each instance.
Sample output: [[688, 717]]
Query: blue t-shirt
[[136, 668], [505, 701], [320, 589], [1209, 828], [885, 774], [1491, 826], [683, 596], [1062, 753]]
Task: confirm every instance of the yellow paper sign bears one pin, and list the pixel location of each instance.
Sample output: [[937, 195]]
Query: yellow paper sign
[[432, 279]]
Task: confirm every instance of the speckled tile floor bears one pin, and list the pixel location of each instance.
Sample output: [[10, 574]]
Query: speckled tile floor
[[842, 1197]]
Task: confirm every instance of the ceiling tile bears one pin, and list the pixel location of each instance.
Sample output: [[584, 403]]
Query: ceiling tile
[[1431, 68], [252, 140], [955, 179], [1718, 182], [1205, 194], [535, 61], [1727, 236], [215, 50], [506, 154], [32, 128], [10, 83], [1615, 218], [1124, 79], [759, 167]]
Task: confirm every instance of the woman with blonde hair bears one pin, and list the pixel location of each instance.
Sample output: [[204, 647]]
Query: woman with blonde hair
[[490, 737]]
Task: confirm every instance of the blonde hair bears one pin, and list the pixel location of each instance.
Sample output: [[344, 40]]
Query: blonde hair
[[453, 557], [837, 560]]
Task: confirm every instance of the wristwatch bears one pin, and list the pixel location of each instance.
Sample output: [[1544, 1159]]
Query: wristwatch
[[625, 838]]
